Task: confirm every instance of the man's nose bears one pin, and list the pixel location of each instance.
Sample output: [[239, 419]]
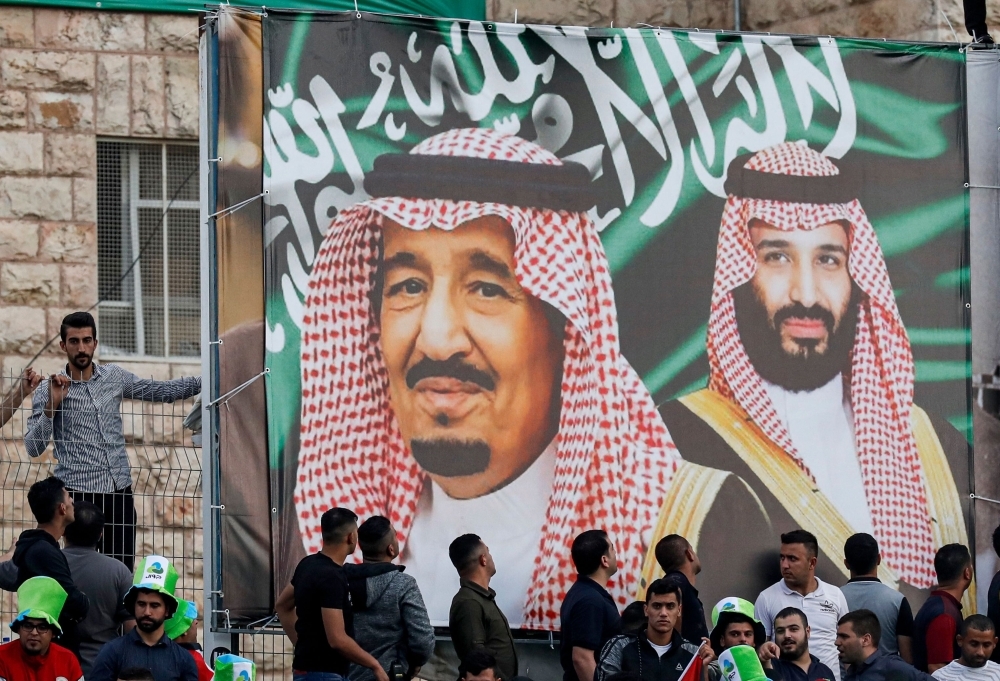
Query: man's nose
[[803, 285], [442, 327]]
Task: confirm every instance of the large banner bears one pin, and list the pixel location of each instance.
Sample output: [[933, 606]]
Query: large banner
[[525, 281]]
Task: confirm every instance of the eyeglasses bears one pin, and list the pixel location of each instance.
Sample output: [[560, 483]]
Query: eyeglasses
[[41, 627]]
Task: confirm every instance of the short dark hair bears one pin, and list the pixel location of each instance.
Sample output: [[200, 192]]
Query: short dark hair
[[476, 661], [336, 524], [372, 535], [863, 622], [670, 552], [136, 674], [634, 618], [77, 320], [588, 549], [44, 498], [87, 525], [791, 611], [464, 551], [861, 552], [978, 623], [662, 587], [949, 562], [996, 540], [807, 539]]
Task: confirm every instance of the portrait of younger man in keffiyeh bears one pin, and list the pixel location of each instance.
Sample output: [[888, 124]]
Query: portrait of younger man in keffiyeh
[[811, 377], [462, 373]]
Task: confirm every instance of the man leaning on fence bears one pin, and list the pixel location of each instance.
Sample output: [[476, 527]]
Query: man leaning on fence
[[80, 409]]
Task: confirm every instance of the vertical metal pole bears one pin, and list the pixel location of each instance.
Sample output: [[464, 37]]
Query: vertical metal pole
[[133, 218], [165, 234], [210, 497], [737, 20]]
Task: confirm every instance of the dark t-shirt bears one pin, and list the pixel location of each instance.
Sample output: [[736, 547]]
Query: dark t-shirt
[[589, 619], [319, 583], [693, 626], [782, 670]]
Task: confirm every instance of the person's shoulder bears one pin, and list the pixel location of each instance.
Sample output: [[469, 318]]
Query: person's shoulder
[[770, 594], [952, 670]]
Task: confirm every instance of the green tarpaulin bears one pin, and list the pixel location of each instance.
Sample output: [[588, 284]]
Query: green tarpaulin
[[458, 9]]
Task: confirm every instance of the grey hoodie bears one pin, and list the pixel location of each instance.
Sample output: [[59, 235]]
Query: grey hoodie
[[390, 618]]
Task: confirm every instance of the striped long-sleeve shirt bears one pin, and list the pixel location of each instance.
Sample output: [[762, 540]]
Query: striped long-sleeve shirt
[[87, 426]]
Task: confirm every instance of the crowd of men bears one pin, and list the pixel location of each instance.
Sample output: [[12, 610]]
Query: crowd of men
[[368, 620]]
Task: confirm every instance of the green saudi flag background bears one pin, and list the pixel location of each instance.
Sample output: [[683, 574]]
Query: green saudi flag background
[[893, 112]]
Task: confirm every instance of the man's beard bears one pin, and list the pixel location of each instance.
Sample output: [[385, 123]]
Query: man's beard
[[795, 653], [975, 664], [148, 624], [82, 361], [807, 369], [451, 458]]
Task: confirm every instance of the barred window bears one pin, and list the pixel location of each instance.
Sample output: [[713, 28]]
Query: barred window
[[149, 308]]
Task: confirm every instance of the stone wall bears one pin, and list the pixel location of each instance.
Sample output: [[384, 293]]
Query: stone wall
[[66, 78], [931, 20]]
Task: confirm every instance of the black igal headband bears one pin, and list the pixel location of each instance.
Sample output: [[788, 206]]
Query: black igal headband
[[460, 178], [754, 184]]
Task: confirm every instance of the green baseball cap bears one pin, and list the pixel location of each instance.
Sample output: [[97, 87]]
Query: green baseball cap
[[40, 598], [740, 663], [234, 668], [154, 573], [181, 621]]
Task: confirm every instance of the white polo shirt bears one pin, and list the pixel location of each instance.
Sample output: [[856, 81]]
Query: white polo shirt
[[823, 607]]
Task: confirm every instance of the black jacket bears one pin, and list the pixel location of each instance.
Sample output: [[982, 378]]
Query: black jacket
[[37, 554], [628, 656], [882, 666]]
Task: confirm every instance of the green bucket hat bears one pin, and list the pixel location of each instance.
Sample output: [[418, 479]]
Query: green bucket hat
[[740, 663], [234, 668], [154, 573], [733, 609], [40, 598], [181, 621]]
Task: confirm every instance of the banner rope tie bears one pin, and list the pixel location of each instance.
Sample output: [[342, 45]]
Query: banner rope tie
[[238, 389], [235, 207]]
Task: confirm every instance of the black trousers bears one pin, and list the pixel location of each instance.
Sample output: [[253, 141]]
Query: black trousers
[[975, 17], [119, 522]]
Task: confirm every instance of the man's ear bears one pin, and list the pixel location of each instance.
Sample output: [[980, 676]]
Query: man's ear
[[390, 551], [689, 554]]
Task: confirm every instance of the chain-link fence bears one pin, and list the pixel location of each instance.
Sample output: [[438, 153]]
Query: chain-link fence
[[163, 465]]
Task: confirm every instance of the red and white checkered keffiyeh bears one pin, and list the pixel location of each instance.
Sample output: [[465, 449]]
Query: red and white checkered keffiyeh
[[614, 456], [881, 380]]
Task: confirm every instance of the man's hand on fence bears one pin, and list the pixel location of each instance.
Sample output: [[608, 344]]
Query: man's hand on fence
[[58, 388]]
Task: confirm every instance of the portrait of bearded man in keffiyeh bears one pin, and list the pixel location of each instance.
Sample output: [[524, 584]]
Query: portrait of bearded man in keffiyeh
[[810, 392], [462, 374]]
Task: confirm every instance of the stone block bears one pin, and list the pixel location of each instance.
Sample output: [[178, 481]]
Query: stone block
[[22, 329], [23, 283], [46, 365], [69, 242], [182, 97], [180, 370], [717, 14], [18, 239], [53, 320], [156, 371], [62, 111], [85, 199], [878, 19], [177, 511], [79, 286], [666, 13], [17, 27], [21, 152], [86, 30], [38, 70], [112, 94], [13, 110], [71, 155], [172, 33], [47, 198], [580, 13], [147, 96]]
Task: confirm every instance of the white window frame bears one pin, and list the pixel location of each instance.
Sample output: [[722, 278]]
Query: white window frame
[[130, 189]]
